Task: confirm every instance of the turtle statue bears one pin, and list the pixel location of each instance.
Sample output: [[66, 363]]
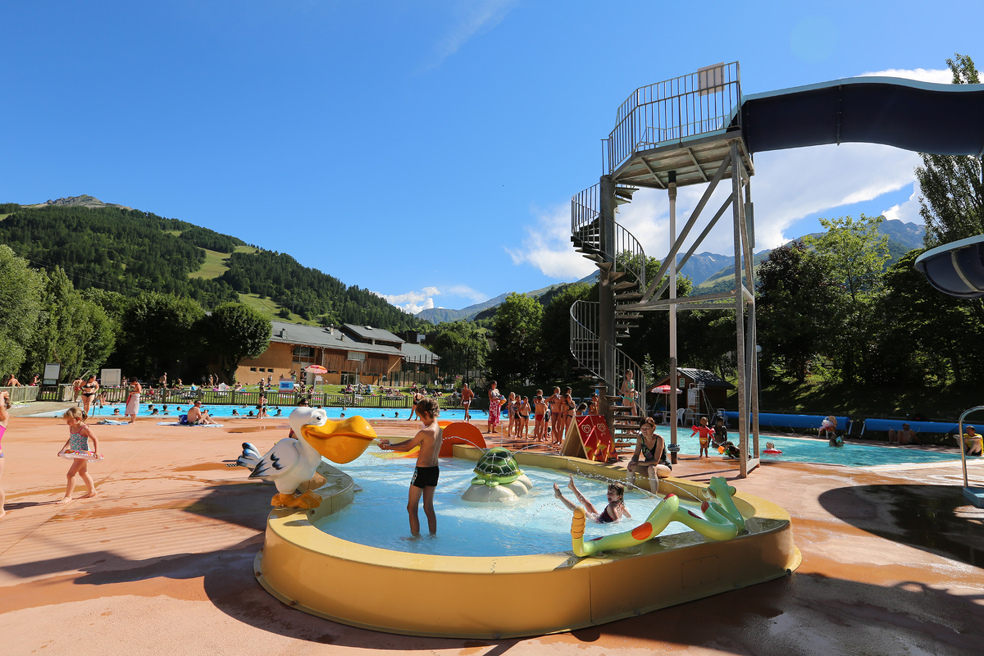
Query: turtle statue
[[498, 479]]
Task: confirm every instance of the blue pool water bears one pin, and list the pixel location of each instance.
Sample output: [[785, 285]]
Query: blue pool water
[[793, 449], [805, 449], [537, 523]]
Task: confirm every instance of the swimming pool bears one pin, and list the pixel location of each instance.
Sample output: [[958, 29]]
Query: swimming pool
[[173, 410], [537, 523], [805, 449]]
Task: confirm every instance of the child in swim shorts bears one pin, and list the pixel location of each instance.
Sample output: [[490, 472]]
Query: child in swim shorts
[[426, 474]]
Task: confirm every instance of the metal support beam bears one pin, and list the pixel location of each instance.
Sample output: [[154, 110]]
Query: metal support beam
[[606, 291]]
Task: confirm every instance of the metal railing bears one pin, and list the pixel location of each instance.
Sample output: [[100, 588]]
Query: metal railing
[[675, 109], [626, 252], [586, 348]]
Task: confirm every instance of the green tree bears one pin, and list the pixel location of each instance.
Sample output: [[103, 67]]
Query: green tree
[[516, 332], [20, 300], [854, 255], [158, 334], [952, 201], [795, 295], [69, 330], [235, 331], [461, 345]]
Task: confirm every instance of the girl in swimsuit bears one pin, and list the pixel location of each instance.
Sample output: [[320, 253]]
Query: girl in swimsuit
[[511, 409], [540, 415], [629, 392], [4, 418], [523, 429], [78, 438], [613, 512]]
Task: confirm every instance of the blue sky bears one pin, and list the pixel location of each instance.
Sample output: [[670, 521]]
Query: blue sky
[[428, 150]]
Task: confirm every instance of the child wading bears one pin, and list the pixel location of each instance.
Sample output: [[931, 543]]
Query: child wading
[[424, 481], [78, 439]]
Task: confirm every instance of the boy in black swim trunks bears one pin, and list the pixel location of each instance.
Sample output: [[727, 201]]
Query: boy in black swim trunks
[[425, 475]]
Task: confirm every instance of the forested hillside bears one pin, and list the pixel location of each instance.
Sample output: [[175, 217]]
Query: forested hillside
[[130, 251]]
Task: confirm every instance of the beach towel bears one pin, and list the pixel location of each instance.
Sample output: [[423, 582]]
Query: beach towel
[[178, 423], [113, 422]]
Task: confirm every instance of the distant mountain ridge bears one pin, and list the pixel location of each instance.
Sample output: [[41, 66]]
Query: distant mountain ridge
[[710, 271]]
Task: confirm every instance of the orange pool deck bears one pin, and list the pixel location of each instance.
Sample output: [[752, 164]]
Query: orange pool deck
[[161, 560]]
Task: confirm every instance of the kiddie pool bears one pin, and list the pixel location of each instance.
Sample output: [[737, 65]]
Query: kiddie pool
[[510, 596]]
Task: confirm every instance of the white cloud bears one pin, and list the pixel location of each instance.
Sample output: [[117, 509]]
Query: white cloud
[[547, 246], [416, 301], [907, 212], [473, 17], [788, 186]]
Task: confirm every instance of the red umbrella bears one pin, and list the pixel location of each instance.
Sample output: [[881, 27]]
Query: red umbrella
[[661, 389], [316, 369]]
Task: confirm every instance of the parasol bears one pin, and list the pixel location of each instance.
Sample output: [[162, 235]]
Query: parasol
[[662, 389], [315, 369]]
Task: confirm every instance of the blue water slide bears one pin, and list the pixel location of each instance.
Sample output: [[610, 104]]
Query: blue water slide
[[956, 268], [943, 119]]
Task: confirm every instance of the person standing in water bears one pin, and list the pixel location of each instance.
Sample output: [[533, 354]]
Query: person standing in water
[[425, 474]]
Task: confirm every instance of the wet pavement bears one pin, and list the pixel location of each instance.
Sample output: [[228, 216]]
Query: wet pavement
[[161, 560]]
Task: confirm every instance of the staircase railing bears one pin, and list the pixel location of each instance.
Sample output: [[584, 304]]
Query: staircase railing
[[675, 109], [586, 348], [626, 252]]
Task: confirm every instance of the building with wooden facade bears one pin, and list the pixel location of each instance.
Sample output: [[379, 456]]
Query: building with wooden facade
[[350, 354]]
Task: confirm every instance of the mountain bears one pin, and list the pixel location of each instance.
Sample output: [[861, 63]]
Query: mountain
[[711, 272], [130, 252], [443, 315]]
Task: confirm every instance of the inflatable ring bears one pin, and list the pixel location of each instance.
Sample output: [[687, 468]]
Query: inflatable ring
[[73, 454], [771, 451]]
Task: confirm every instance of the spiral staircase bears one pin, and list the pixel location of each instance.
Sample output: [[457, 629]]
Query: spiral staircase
[[622, 265]]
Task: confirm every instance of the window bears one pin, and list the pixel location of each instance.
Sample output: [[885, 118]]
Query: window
[[357, 356]]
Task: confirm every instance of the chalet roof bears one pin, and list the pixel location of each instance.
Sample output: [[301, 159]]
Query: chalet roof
[[293, 333], [417, 353], [370, 334], [709, 378]]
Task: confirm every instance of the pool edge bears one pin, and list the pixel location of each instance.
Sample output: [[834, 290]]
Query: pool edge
[[454, 596]]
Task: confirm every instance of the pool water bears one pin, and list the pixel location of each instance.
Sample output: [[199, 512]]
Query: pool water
[[225, 411], [806, 449], [794, 449], [535, 524]]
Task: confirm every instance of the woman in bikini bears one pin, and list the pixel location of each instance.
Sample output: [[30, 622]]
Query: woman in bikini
[[89, 393], [649, 450], [540, 415]]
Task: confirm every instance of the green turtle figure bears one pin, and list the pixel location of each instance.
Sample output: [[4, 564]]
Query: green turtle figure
[[497, 478]]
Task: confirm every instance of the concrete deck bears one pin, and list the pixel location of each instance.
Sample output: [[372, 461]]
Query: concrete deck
[[161, 560]]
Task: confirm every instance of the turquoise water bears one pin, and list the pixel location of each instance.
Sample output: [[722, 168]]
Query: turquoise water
[[225, 411], [818, 451], [537, 523], [793, 449]]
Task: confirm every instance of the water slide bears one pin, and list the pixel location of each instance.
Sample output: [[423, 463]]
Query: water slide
[[942, 119]]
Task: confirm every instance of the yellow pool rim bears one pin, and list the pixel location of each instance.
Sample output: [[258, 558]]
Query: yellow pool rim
[[511, 596]]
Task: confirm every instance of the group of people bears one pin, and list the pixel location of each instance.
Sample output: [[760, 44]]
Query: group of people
[[551, 415], [11, 381]]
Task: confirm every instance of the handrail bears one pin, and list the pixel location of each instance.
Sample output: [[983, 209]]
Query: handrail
[[675, 109], [586, 224], [586, 348]]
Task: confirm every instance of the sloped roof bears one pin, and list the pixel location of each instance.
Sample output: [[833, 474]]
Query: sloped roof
[[710, 379], [417, 353], [369, 334], [293, 333]]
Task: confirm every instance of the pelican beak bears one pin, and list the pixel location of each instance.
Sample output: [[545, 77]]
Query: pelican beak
[[340, 441]]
